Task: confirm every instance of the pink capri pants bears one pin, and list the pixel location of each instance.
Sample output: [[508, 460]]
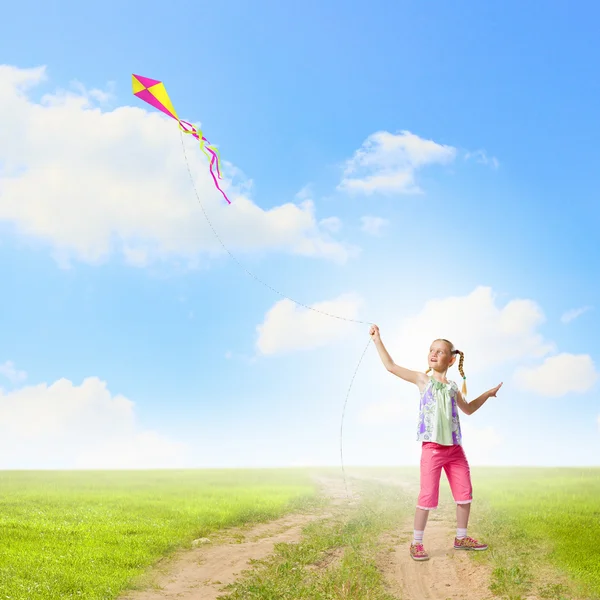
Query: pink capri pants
[[434, 458]]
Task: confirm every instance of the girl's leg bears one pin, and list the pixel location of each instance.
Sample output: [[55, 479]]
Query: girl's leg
[[462, 515], [416, 547], [431, 469], [421, 517], [459, 477]]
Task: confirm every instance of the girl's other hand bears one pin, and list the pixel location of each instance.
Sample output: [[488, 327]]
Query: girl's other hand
[[374, 333], [493, 391]]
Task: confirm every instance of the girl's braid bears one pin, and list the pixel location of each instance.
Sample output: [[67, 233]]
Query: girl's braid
[[461, 371]]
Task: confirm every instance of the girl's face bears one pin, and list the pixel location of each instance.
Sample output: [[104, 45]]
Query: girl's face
[[440, 356]]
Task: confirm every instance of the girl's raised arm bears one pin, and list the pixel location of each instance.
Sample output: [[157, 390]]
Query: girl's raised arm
[[419, 379]]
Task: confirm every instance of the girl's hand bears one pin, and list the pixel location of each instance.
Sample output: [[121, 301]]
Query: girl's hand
[[492, 392], [374, 333]]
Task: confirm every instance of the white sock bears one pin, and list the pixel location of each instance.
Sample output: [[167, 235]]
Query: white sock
[[461, 534], [418, 536]]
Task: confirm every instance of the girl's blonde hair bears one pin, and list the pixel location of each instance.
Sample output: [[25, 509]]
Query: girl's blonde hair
[[460, 364]]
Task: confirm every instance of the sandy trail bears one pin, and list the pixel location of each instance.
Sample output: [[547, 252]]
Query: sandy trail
[[448, 574], [202, 573]]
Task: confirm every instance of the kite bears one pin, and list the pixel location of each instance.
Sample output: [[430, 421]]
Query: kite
[[154, 93]]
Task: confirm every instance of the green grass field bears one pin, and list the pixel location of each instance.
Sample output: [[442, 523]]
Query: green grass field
[[90, 534], [544, 529]]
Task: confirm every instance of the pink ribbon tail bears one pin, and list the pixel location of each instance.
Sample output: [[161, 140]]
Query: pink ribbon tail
[[212, 162], [189, 128]]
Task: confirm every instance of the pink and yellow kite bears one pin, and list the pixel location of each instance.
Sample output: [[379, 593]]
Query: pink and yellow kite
[[154, 93]]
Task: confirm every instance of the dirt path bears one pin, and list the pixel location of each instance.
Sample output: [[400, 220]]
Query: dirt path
[[447, 575], [203, 572]]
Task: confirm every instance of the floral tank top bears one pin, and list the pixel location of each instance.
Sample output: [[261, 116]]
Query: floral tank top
[[438, 414]]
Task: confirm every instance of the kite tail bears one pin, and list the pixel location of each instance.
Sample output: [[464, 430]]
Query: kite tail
[[212, 150], [212, 162], [202, 140], [218, 160], [183, 125]]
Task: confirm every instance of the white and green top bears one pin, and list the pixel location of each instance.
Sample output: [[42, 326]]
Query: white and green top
[[438, 414]]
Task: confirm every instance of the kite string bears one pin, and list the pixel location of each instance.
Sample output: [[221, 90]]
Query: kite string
[[287, 298], [252, 274], [344, 412]]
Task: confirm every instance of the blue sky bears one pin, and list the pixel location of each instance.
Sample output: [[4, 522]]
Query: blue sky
[[431, 168]]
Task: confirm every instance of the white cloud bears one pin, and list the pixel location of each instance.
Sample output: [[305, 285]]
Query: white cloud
[[288, 327], [488, 334], [63, 425], [571, 315], [373, 225], [90, 182], [482, 158], [9, 371], [559, 375], [387, 163]]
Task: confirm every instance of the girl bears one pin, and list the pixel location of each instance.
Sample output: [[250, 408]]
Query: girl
[[439, 432]]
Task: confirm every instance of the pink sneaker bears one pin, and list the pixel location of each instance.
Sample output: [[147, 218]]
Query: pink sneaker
[[468, 543], [417, 552]]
